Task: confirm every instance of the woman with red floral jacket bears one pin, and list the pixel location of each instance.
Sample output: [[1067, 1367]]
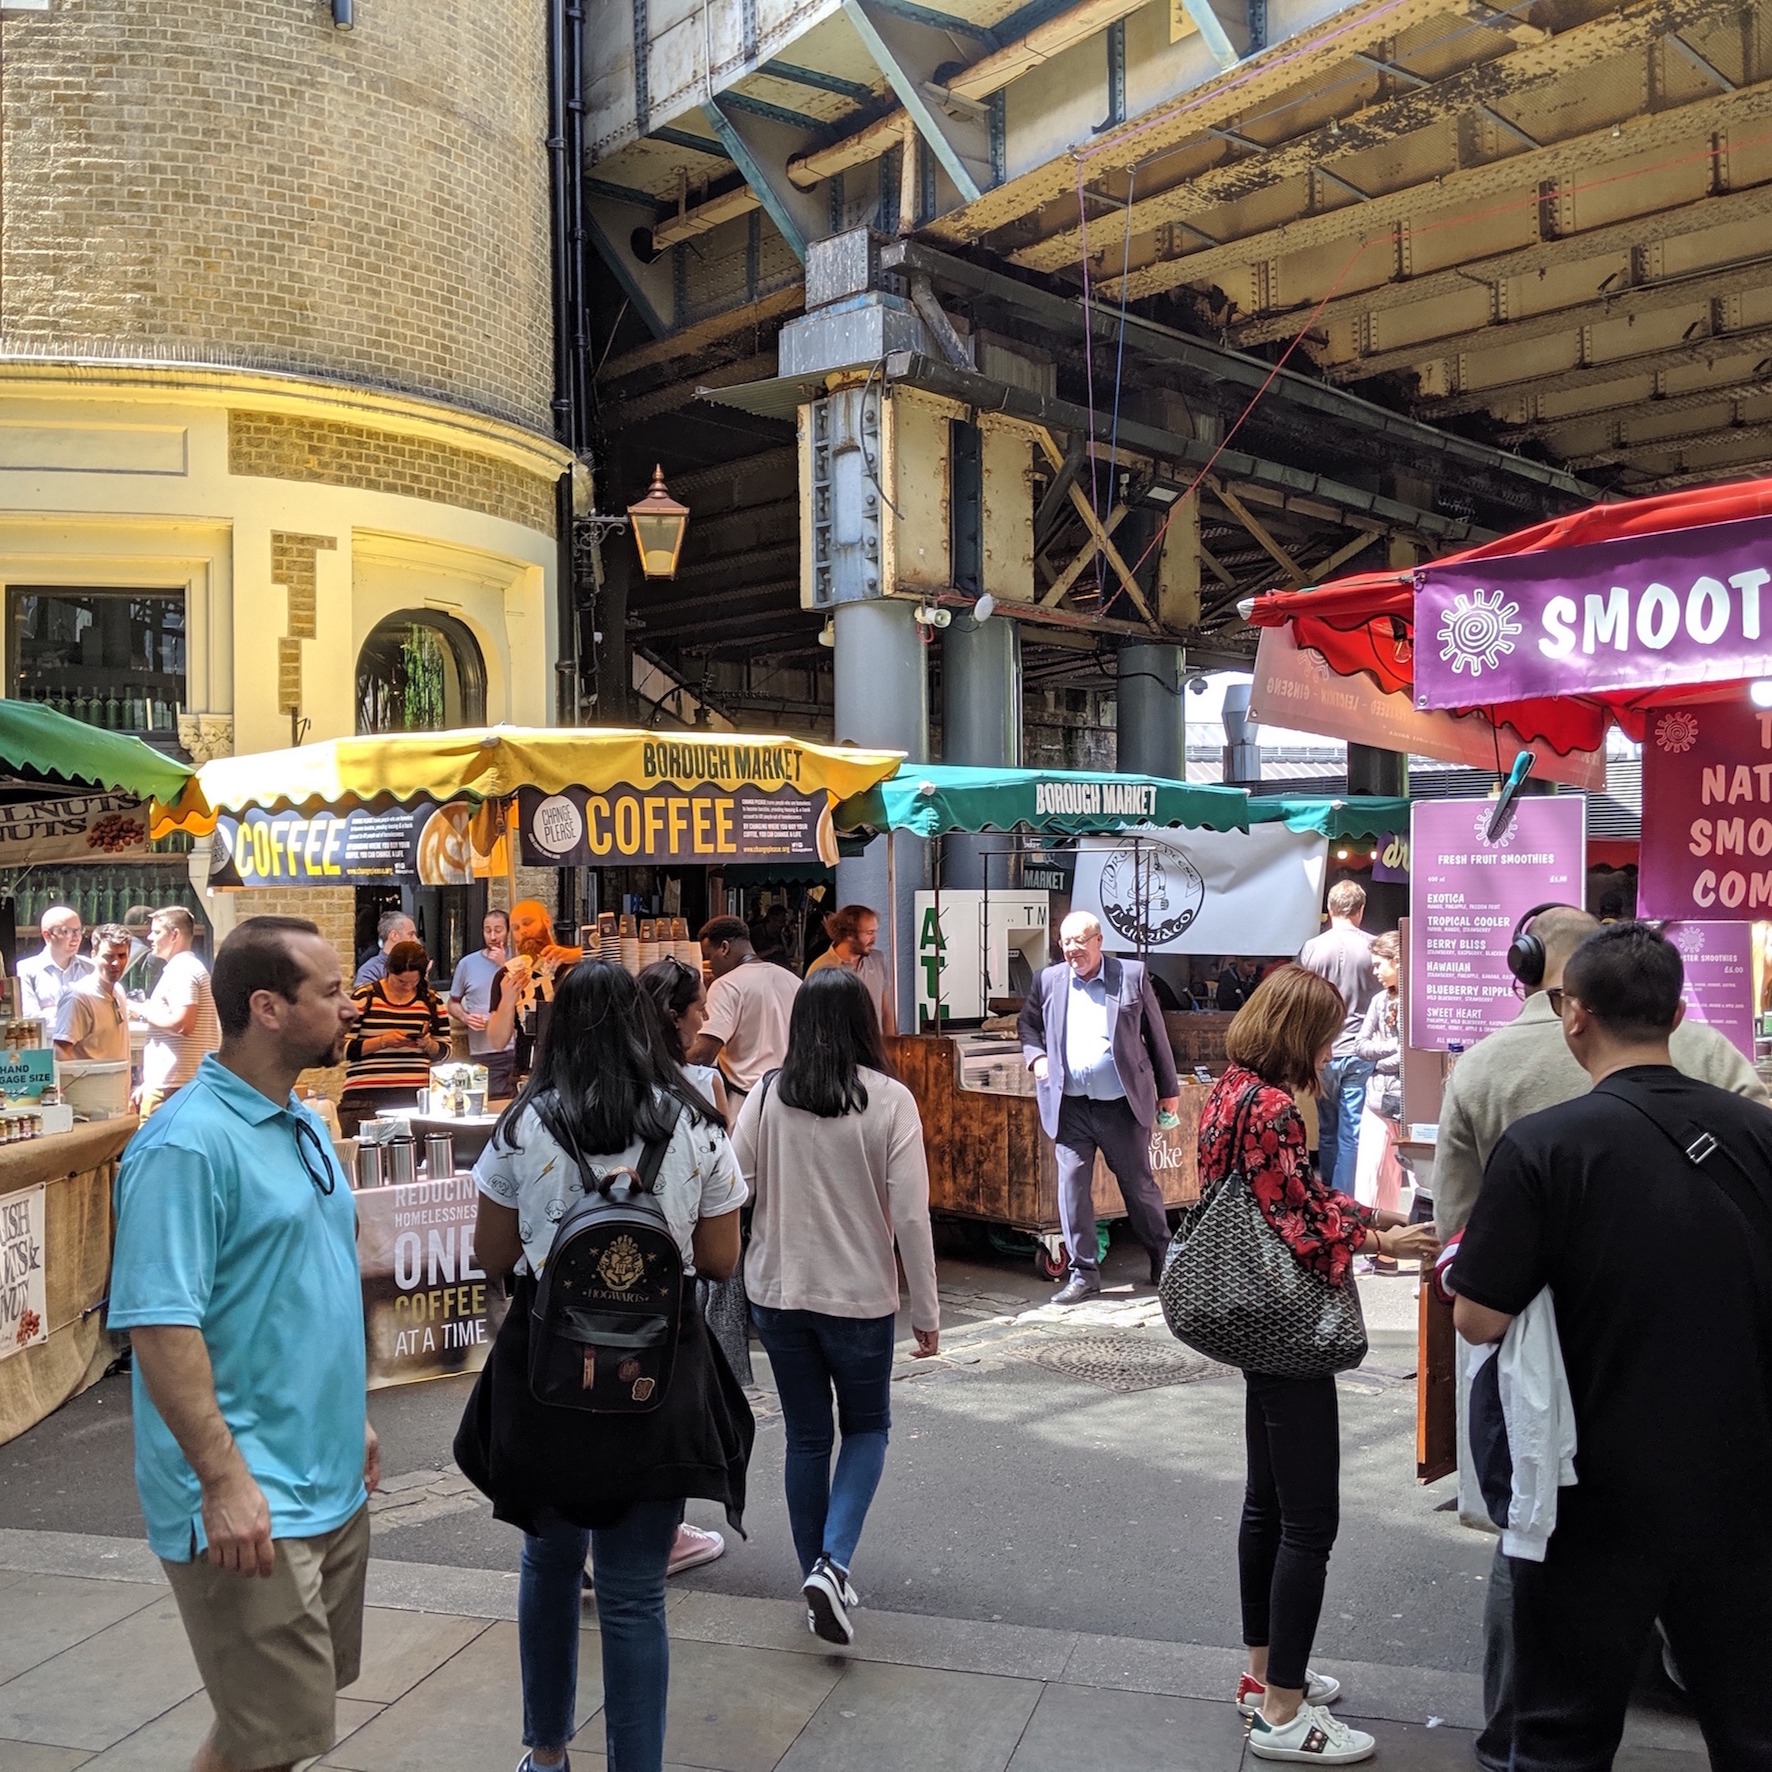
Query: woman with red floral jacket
[[1277, 1045]]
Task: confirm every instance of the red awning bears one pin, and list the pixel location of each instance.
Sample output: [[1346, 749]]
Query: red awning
[[1366, 623]]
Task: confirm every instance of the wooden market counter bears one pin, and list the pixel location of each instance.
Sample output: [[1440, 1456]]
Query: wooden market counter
[[75, 1170], [989, 1159]]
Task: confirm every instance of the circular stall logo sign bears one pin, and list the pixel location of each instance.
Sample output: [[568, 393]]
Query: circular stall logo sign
[[558, 826], [1149, 895]]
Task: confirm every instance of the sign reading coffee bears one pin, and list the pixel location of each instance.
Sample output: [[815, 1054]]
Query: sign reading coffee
[[1643, 612], [1707, 814], [421, 843], [706, 823]]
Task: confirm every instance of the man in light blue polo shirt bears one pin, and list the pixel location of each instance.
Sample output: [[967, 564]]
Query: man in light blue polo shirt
[[236, 1273]]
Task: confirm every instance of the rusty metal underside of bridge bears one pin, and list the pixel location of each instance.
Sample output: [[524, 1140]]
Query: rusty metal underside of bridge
[[1375, 281]]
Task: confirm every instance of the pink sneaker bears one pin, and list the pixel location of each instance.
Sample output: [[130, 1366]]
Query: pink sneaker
[[693, 1548]]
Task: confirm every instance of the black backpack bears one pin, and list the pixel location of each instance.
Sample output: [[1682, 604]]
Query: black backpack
[[603, 1330]]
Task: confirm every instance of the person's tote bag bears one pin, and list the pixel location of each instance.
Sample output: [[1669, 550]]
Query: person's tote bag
[[1233, 1291]]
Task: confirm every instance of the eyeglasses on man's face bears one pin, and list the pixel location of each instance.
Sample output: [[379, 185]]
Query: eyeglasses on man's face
[[1554, 996]]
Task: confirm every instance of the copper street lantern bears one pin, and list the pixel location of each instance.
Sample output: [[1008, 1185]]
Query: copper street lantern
[[659, 523]]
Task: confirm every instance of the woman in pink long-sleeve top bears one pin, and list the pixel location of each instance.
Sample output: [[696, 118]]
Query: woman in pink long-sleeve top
[[832, 1146]]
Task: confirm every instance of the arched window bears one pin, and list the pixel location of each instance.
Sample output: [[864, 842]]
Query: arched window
[[420, 672]]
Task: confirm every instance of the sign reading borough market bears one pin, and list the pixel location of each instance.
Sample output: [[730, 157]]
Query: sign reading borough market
[[691, 802], [1640, 613]]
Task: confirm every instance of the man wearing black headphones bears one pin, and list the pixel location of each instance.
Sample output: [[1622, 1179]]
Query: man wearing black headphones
[[1513, 1072]]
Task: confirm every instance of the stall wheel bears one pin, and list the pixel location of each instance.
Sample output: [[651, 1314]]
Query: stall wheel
[[1051, 1263]]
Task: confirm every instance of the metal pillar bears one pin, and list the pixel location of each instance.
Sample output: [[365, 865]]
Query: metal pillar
[[980, 726], [881, 689], [1150, 720]]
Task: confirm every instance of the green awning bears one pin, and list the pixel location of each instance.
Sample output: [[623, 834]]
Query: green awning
[[40, 747], [1359, 815], [930, 799]]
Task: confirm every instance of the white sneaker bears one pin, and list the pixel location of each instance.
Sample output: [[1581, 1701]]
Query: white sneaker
[[1318, 1689], [828, 1599], [1313, 1736]]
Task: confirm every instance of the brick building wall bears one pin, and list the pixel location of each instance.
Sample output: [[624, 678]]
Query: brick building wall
[[236, 181]]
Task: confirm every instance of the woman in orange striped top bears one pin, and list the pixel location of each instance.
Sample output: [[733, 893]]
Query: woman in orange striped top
[[401, 1033]]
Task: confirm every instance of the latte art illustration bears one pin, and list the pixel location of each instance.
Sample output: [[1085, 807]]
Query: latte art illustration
[[445, 853]]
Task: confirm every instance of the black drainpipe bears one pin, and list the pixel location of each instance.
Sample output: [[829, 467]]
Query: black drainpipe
[[574, 419]]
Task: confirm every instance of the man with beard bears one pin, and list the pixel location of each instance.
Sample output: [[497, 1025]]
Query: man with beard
[[236, 1273], [523, 993]]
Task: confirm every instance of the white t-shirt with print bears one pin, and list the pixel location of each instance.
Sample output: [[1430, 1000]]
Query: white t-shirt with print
[[699, 1178]]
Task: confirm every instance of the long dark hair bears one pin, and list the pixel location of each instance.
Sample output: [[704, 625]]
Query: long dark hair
[[602, 1066], [833, 1033], [672, 987]]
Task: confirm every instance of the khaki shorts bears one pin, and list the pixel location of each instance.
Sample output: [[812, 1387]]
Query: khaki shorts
[[273, 1651]]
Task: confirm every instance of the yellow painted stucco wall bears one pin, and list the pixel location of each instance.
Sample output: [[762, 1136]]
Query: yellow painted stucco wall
[[215, 480]]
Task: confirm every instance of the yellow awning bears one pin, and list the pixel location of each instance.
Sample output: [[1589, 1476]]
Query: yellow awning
[[492, 763]]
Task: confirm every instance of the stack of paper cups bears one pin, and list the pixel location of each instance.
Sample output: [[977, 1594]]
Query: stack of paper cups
[[630, 944], [684, 945]]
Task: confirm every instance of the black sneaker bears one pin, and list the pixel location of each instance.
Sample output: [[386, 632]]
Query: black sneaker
[[828, 1599]]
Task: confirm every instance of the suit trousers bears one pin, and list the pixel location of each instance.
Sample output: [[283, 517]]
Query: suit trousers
[[1085, 1127]]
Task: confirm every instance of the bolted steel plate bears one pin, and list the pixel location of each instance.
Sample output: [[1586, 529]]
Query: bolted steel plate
[[1121, 1362]]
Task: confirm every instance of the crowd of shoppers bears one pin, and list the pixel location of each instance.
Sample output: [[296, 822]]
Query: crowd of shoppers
[[766, 1107]]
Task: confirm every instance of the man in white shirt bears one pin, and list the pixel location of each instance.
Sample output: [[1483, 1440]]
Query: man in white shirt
[[470, 1003], [749, 1002], [1343, 955], [92, 1019], [44, 977], [180, 1011]]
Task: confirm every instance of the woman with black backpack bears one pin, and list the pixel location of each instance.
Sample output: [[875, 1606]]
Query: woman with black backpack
[[832, 1146], [608, 1186]]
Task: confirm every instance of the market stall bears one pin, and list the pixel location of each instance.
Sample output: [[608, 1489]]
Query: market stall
[[72, 799], [976, 951], [1643, 614], [448, 807]]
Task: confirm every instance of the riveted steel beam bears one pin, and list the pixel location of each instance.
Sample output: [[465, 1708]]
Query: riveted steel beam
[[1424, 107], [1626, 138], [761, 147]]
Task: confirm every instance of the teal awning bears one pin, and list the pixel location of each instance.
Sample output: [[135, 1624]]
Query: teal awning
[[43, 748], [1358, 815], [930, 799]]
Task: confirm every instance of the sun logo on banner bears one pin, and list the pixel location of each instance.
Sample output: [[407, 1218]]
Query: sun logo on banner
[[1477, 631], [1676, 732]]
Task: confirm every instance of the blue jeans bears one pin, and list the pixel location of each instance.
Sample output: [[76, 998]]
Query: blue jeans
[[812, 1355], [1338, 1120], [630, 1561]]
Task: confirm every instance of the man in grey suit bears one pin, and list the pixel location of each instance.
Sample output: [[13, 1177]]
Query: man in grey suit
[[1093, 1036]]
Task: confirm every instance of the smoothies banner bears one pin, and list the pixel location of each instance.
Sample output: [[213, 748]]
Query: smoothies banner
[[704, 824], [75, 827], [1719, 961], [1203, 892], [1707, 814], [1297, 688], [425, 1304], [421, 843], [1683, 606], [1465, 896], [24, 1307]]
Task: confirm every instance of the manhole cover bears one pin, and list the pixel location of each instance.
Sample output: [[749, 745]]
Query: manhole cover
[[1121, 1362]]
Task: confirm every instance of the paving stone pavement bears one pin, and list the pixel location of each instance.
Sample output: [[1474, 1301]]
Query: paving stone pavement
[[95, 1674]]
